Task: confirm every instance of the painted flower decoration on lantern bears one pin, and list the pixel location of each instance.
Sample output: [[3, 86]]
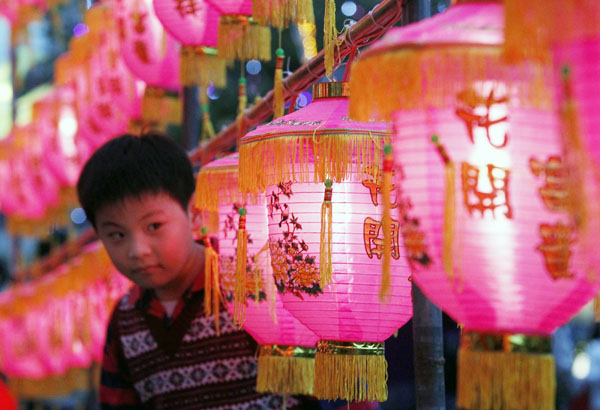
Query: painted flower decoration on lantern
[[486, 195]]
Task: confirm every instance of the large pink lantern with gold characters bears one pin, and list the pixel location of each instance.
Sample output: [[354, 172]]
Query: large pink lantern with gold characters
[[486, 197]]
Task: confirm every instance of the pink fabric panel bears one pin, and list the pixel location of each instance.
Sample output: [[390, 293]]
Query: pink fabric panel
[[502, 283], [195, 25]]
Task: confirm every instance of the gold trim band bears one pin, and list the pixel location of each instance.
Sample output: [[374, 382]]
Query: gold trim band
[[509, 343], [351, 348], [331, 90], [286, 351]]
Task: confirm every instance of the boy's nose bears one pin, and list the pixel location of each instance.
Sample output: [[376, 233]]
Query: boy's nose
[[138, 247]]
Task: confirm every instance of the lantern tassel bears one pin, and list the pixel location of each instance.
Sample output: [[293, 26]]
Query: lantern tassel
[[278, 102], [350, 371], [239, 304], [326, 236], [208, 130], [201, 66], [212, 295], [329, 36], [501, 379], [388, 167], [449, 210], [242, 102], [282, 370], [240, 38]]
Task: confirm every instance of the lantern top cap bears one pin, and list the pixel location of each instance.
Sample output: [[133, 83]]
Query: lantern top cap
[[331, 90]]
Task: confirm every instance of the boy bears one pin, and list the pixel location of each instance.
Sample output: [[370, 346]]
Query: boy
[[161, 351]]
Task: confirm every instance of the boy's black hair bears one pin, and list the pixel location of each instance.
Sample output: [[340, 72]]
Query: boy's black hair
[[131, 166]]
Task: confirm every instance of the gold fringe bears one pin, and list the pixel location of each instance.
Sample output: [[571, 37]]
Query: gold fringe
[[212, 294], [240, 38], [501, 380], [241, 264], [279, 13], [531, 29], [159, 106], [388, 167], [378, 90], [350, 377], [325, 266], [208, 130], [201, 66], [336, 156], [449, 221], [285, 375], [329, 36], [219, 185], [278, 102]]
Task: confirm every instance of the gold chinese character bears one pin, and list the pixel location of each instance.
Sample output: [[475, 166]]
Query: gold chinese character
[[496, 198], [375, 184], [556, 240], [373, 242], [474, 109], [555, 193], [187, 7]]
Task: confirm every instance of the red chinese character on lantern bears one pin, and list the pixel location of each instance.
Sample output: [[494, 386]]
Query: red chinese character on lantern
[[115, 85], [555, 192], [495, 197], [138, 22], [141, 51], [556, 240], [375, 183], [187, 7], [476, 111], [373, 242], [104, 110]]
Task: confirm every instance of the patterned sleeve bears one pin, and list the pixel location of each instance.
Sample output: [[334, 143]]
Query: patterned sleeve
[[116, 390]]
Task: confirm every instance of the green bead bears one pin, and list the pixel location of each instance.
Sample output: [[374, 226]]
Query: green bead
[[279, 52], [435, 138], [328, 183], [242, 80], [205, 108], [204, 230], [387, 149], [565, 70], [242, 211]]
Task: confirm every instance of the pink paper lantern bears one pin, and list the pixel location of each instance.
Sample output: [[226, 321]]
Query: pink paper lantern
[[295, 154], [287, 347], [485, 209], [147, 50]]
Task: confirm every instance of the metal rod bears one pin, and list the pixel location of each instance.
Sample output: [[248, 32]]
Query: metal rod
[[381, 18]]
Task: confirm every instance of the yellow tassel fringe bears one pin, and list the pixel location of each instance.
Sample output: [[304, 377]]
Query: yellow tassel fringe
[[212, 293], [201, 66], [285, 375], [329, 36], [239, 38], [350, 377], [325, 266], [219, 185], [207, 127], [278, 102], [531, 28], [423, 85], [502, 380], [388, 167], [241, 264], [336, 156], [74, 380], [279, 13]]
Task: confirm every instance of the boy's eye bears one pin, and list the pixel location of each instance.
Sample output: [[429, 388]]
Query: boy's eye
[[154, 226], [115, 235]]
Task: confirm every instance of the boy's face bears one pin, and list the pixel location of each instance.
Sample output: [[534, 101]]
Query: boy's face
[[149, 240]]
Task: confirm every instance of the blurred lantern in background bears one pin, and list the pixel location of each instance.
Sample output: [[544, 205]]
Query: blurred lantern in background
[[327, 240], [487, 198], [152, 55], [287, 347]]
